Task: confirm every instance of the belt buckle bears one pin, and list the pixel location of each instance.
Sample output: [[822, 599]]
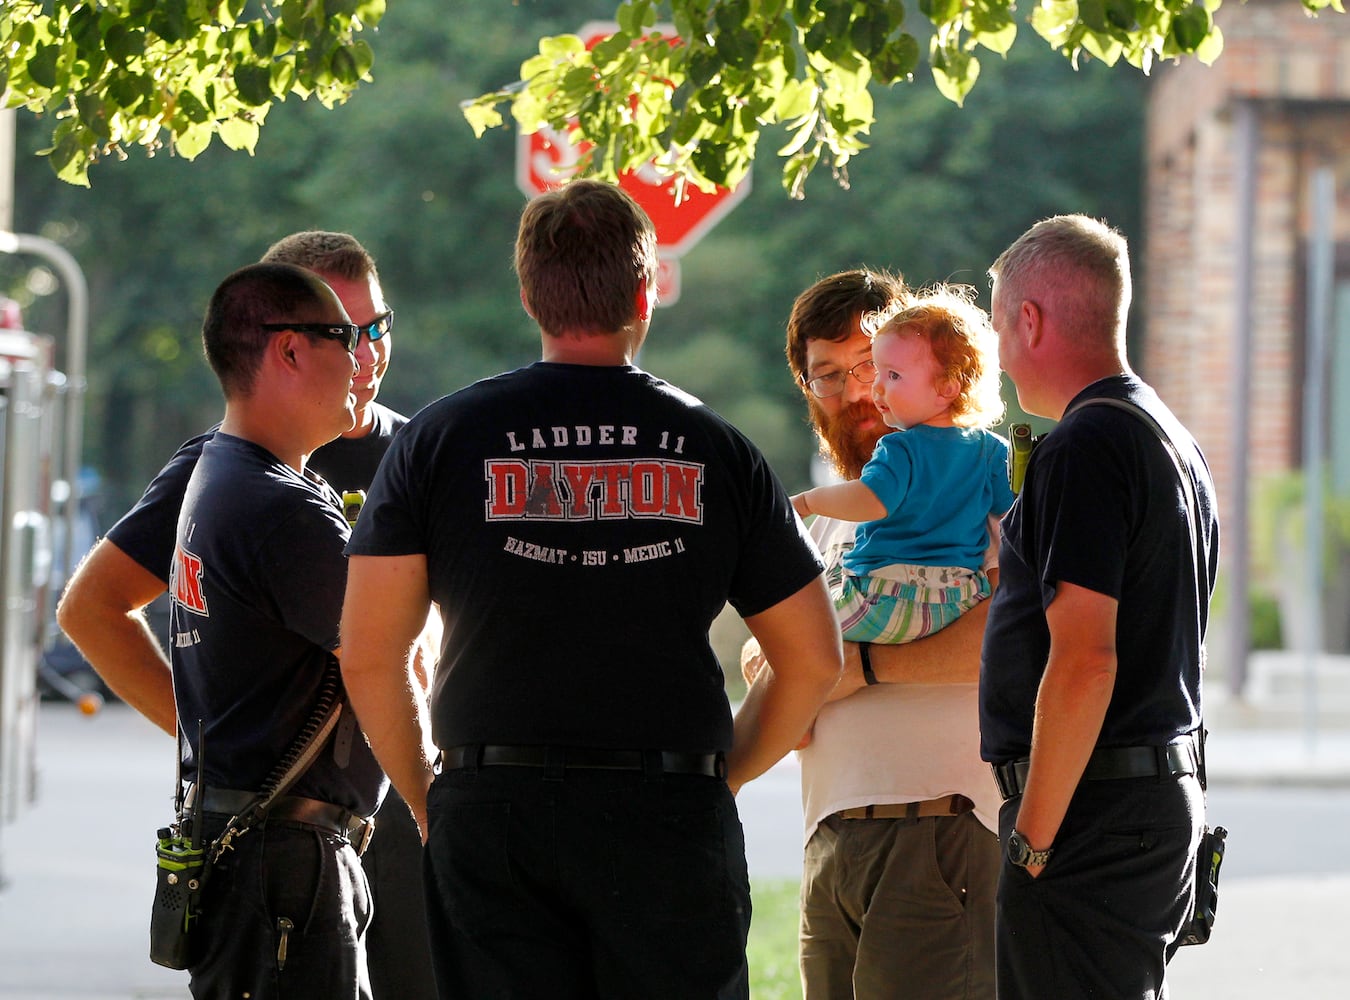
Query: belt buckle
[[365, 833]]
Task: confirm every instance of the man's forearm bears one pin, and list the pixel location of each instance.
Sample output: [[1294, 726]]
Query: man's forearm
[[101, 613], [951, 656], [800, 639], [384, 616]]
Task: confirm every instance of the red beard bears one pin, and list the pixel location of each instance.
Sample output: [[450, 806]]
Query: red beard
[[842, 443]]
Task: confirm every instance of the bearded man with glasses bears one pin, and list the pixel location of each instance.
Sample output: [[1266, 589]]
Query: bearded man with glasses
[[901, 854]]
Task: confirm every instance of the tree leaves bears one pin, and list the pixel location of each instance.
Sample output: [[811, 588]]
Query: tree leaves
[[740, 69], [174, 73], [696, 103]]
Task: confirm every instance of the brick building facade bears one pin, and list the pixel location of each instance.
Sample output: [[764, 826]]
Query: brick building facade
[[1230, 154]]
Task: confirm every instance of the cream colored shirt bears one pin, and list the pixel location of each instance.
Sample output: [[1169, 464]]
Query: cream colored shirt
[[893, 743]]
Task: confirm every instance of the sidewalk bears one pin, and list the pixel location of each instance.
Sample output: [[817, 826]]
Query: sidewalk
[[79, 867]]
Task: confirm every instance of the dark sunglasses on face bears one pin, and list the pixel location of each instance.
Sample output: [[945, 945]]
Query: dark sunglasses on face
[[346, 334], [378, 327]]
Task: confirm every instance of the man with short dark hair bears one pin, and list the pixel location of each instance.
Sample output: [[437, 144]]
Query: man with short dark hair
[[580, 524], [1090, 685], [102, 610], [256, 585], [900, 861]]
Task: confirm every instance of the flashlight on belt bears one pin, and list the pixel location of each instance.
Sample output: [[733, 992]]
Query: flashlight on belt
[[1019, 454]]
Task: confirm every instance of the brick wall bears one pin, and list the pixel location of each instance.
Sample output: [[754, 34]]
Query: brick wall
[[1295, 71]]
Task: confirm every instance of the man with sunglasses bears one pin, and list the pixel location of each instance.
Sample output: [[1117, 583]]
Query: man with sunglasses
[[256, 582], [901, 859], [103, 608]]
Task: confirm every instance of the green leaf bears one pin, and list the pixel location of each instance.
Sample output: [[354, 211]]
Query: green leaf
[[955, 74], [561, 48], [262, 39], [123, 44], [897, 61], [239, 133], [69, 153], [1190, 27], [254, 83], [90, 107], [170, 21], [343, 66], [192, 108], [795, 98], [190, 143], [1211, 48], [481, 117]]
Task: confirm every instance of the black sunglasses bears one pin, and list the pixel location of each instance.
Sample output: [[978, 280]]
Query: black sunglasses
[[378, 327], [346, 334]]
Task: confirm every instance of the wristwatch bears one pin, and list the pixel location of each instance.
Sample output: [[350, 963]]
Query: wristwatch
[[1021, 854]]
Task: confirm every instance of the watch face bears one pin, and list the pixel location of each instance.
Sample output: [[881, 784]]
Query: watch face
[[1018, 849]]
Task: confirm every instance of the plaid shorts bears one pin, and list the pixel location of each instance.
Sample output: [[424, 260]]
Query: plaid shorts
[[907, 604]]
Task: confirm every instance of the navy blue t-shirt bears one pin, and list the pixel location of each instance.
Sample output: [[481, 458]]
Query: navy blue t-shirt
[[146, 532], [582, 527], [349, 464], [1102, 508], [257, 587]]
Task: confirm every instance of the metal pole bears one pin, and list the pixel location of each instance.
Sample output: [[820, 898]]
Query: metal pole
[[77, 331], [1236, 525], [1321, 206]]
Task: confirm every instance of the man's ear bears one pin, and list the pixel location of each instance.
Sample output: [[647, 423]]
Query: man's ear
[[283, 349], [1031, 321], [526, 304], [645, 301]]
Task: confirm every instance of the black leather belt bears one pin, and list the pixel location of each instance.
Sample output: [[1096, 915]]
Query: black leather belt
[[311, 812], [1110, 764], [712, 765]]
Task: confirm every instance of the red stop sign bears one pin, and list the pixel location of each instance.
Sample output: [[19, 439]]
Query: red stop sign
[[547, 159]]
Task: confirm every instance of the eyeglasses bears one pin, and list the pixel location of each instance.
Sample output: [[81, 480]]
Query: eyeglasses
[[346, 334], [825, 386], [378, 327]]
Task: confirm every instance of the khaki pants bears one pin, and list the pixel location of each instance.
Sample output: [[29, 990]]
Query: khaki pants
[[899, 908]]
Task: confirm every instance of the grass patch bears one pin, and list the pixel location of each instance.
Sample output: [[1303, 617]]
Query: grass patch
[[772, 949]]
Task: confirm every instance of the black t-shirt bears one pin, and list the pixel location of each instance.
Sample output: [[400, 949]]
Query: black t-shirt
[[582, 527], [257, 587], [1102, 508], [349, 464], [146, 532]]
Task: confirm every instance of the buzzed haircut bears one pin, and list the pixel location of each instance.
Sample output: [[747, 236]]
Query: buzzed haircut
[[1075, 266], [582, 252], [232, 332], [338, 254]]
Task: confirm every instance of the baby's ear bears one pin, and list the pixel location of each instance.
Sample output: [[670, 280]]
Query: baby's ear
[[949, 389]]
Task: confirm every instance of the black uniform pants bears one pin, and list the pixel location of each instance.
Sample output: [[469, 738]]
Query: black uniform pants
[[1102, 919], [588, 884]]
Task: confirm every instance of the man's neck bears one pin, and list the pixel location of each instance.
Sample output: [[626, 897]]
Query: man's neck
[[365, 423], [600, 350]]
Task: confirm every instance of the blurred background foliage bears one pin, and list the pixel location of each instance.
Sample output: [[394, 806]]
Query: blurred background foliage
[[941, 192]]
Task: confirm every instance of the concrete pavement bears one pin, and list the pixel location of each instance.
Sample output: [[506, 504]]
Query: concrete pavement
[[79, 868]]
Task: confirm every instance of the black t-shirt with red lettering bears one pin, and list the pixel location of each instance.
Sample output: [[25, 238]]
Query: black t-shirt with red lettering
[[582, 528]]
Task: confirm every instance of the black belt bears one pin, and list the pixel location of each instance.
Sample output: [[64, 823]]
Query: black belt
[[1111, 763], [311, 812], [712, 765]]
